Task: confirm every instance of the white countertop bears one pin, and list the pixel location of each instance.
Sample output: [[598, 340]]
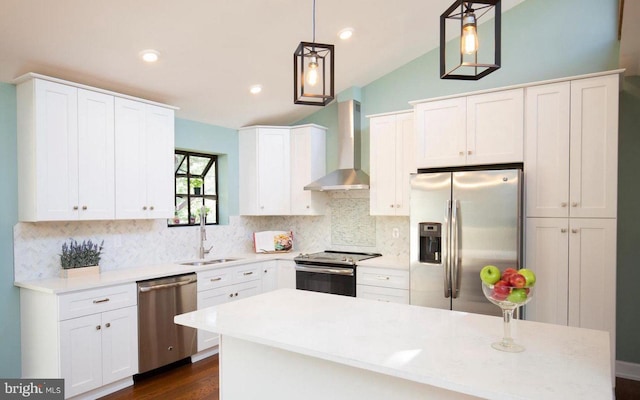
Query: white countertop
[[128, 275], [441, 348]]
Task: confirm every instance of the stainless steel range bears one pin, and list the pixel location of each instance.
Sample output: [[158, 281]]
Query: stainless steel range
[[329, 271]]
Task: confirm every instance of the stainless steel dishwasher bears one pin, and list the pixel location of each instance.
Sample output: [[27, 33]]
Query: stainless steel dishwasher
[[160, 340]]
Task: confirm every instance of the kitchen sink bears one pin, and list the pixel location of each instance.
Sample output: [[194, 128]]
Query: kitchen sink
[[208, 262]]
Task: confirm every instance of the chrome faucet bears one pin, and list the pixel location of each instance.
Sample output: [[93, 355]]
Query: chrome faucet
[[203, 235]]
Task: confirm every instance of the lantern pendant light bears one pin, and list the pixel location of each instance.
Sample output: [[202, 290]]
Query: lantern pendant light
[[471, 65], [313, 71]]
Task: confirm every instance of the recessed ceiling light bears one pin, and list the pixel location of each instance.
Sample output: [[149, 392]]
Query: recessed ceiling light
[[150, 55], [345, 33], [255, 89]]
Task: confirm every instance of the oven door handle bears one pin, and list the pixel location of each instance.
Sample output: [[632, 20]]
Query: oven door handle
[[326, 270]]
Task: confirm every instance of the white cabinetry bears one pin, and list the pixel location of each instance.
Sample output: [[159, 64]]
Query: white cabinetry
[[275, 165], [65, 152], [308, 163], [474, 130], [89, 338], [392, 156], [383, 284], [571, 151], [144, 160], [286, 274], [223, 285], [265, 182], [269, 276]]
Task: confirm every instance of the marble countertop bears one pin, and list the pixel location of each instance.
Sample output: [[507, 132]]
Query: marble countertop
[[442, 348], [129, 275]]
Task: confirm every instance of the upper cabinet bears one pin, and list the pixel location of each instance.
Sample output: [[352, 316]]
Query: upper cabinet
[[70, 153], [571, 150], [392, 157], [275, 165], [473, 130], [144, 160], [65, 152]]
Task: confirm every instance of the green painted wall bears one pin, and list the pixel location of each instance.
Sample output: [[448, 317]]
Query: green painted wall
[[197, 136], [628, 323], [9, 295]]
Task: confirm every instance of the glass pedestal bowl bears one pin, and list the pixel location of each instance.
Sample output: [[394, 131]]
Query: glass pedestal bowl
[[508, 298]]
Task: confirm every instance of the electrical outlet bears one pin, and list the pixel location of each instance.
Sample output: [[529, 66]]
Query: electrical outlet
[[395, 233]]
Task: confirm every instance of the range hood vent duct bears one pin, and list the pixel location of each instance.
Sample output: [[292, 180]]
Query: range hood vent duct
[[349, 176]]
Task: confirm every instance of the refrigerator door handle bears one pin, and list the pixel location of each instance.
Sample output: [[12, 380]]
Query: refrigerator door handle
[[446, 253], [455, 246]]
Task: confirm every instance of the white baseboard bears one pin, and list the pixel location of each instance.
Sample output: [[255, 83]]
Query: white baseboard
[[628, 370], [204, 354]]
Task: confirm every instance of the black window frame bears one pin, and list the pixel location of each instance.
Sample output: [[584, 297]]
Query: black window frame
[[189, 196]]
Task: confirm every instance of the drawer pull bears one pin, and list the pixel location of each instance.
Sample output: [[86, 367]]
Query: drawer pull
[[216, 279], [248, 273], [383, 278], [108, 325], [98, 327], [101, 301]]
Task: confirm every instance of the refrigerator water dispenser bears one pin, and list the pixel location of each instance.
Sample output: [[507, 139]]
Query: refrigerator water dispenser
[[430, 240]]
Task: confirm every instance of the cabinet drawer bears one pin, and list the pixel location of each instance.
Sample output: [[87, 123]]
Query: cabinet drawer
[[215, 278], [246, 273], [388, 295], [88, 302], [384, 277]]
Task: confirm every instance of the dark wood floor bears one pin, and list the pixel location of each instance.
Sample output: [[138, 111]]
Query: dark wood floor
[[200, 381]]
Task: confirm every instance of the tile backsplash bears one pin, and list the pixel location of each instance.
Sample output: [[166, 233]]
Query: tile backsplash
[[346, 226]]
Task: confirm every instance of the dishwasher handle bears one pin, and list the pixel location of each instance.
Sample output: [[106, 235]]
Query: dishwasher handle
[[144, 289]]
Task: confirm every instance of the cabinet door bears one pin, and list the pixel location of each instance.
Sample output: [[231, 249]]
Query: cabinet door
[[546, 151], [495, 127], [81, 354], [159, 154], [56, 151], [405, 162], [96, 180], [592, 274], [594, 147], [308, 163], [547, 255], [210, 298], [383, 165], [441, 133], [286, 274], [269, 276], [131, 163], [274, 179], [119, 344]]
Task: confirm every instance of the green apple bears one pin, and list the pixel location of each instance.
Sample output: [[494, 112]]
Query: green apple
[[517, 296], [490, 274], [529, 276]]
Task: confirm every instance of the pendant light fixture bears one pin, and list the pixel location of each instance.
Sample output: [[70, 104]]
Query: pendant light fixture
[[464, 16], [313, 71]]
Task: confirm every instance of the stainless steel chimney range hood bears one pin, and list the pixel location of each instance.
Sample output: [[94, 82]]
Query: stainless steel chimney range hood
[[348, 176]]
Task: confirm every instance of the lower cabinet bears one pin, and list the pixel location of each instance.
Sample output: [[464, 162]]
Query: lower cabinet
[[383, 284], [89, 338]]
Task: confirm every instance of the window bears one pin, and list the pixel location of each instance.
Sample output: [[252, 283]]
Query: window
[[196, 186]]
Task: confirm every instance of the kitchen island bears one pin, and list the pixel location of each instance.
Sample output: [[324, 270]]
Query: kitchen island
[[291, 344]]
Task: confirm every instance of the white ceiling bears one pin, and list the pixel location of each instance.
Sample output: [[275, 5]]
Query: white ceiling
[[212, 51]]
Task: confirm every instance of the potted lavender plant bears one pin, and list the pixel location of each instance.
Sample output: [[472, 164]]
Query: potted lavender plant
[[80, 258]]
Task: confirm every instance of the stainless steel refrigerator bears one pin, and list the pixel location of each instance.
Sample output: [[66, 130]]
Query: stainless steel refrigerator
[[461, 221]]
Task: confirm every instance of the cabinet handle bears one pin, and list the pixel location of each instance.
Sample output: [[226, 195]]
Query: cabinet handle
[[84, 208], [144, 208], [230, 294], [248, 273], [98, 327], [574, 231], [101, 301], [265, 271], [563, 204], [397, 205], [236, 294], [308, 207], [108, 325], [216, 279], [574, 204], [461, 153], [75, 208], [151, 208], [469, 152], [563, 230], [383, 278], [391, 205]]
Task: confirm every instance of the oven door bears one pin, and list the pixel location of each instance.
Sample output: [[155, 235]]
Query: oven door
[[326, 279]]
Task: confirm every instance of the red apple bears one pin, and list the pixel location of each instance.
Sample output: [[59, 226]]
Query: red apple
[[507, 272], [517, 280], [501, 290]]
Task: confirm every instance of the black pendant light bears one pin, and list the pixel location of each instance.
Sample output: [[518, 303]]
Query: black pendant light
[[313, 71], [471, 64]]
